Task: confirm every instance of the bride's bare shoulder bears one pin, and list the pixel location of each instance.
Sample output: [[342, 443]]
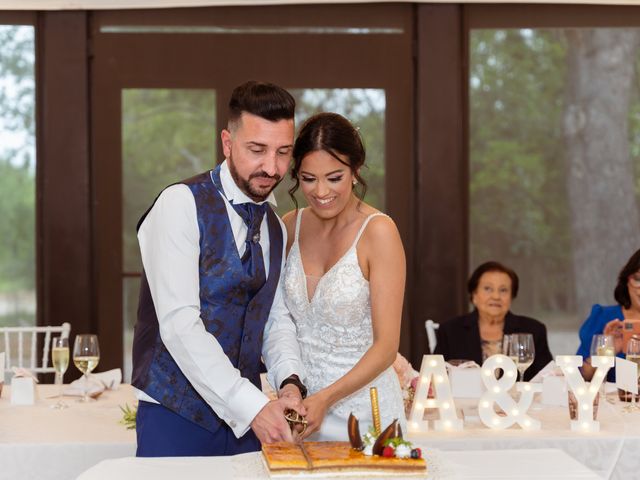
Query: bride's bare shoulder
[[381, 236], [289, 220]]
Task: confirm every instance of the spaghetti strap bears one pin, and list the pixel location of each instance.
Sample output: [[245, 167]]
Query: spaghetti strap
[[298, 222], [364, 225]]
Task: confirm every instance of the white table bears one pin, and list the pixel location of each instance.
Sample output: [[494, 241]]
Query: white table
[[539, 464], [37, 442], [613, 453]]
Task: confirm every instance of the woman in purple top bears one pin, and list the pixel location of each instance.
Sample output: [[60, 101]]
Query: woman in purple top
[[608, 319]]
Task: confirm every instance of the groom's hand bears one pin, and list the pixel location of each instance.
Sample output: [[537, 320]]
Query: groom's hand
[[270, 425]]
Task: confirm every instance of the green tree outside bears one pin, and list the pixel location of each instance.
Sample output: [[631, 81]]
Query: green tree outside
[[17, 175]]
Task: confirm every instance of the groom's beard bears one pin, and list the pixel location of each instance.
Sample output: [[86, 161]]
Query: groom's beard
[[256, 194]]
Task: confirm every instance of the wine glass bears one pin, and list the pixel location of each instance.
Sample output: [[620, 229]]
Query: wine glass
[[507, 349], [522, 351], [633, 355], [60, 361], [603, 346], [86, 355]]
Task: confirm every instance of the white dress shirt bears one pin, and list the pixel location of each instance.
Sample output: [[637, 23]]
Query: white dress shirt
[[169, 241]]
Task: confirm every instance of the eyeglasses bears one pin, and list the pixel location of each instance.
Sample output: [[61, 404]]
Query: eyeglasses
[[634, 280]]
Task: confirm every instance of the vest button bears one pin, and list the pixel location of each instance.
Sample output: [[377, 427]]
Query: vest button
[[245, 338]]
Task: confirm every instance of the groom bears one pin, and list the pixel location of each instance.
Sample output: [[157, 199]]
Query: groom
[[210, 301]]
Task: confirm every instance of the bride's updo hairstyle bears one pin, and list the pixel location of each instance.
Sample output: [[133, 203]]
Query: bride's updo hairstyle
[[335, 135]]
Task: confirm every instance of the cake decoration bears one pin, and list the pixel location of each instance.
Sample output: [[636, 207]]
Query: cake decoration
[[389, 443], [353, 427], [375, 409]]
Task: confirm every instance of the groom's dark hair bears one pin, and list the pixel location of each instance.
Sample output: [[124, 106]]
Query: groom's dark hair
[[264, 100]]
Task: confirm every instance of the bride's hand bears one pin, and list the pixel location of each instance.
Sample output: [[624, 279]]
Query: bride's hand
[[316, 406]]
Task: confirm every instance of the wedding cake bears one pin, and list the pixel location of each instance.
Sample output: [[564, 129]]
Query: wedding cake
[[387, 454], [288, 459]]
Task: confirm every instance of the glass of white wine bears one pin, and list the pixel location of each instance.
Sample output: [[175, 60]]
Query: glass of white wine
[[86, 355], [603, 346], [60, 361], [633, 355]]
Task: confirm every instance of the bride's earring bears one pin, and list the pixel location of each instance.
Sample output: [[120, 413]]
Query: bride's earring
[[354, 182]]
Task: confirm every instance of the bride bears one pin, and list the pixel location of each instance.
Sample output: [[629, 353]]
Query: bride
[[343, 283]]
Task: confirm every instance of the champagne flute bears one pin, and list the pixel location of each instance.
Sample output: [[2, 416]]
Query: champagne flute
[[523, 348], [602, 346], [633, 355], [86, 355], [60, 361]]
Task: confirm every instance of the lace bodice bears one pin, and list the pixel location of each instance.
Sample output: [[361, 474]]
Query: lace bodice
[[334, 329]]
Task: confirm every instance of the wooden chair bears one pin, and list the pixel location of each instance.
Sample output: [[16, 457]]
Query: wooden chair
[[21, 343]]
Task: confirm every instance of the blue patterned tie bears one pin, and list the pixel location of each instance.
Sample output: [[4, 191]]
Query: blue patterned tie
[[252, 259]]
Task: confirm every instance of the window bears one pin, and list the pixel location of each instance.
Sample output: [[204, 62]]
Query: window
[[167, 135], [17, 176], [554, 156]]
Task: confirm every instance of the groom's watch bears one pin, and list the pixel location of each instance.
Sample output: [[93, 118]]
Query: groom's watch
[[295, 380]]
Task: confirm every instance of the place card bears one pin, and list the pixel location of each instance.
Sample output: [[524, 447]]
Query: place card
[[466, 382], [627, 375], [23, 391], [554, 391]]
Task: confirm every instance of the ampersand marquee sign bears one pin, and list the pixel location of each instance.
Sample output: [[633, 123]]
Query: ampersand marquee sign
[[498, 393]]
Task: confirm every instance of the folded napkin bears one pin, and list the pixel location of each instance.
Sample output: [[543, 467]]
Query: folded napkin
[[97, 382], [461, 366], [23, 373]]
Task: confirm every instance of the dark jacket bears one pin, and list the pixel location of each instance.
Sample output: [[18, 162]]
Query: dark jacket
[[459, 338]]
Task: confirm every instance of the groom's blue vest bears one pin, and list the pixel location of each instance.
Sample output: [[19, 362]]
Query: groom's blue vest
[[226, 309]]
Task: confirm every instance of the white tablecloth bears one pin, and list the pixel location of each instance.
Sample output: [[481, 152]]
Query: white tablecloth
[[37, 442], [40, 443], [545, 464], [613, 453]]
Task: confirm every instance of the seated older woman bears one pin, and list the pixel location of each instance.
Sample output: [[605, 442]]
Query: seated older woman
[[607, 319], [478, 335]]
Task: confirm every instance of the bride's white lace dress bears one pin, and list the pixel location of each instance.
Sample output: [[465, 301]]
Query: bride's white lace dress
[[334, 331]]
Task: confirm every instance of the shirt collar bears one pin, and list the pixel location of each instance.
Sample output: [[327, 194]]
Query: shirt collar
[[233, 192]]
